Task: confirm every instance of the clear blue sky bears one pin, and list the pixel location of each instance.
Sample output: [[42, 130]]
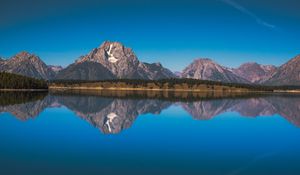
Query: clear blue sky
[[172, 32]]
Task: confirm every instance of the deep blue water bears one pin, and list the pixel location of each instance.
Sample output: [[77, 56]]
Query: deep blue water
[[85, 134]]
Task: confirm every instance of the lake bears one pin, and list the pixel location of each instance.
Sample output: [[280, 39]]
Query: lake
[[149, 133]]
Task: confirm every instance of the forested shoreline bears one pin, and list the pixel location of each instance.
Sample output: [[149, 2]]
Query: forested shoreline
[[10, 81], [15, 81], [164, 84]]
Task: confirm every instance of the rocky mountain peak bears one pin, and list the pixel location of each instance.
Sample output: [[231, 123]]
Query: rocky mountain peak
[[107, 44], [206, 69], [24, 55], [254, 72], [204, 61], [27, 64], [122, 62], [250, 64]]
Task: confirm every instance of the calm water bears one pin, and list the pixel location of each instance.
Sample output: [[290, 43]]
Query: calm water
[[98, 133]]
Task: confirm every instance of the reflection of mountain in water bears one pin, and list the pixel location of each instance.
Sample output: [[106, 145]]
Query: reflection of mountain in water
[[23, 105], [287, 106], [112, 115], [207, 109]]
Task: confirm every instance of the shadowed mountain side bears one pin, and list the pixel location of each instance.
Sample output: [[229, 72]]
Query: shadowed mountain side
[[85, 71]]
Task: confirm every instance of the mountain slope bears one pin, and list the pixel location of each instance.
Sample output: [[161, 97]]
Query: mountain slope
[[123, 63], [206, 69], [155, 71], [287, 74], [255, 73], [2, 61], [27, 64], [85, 71]]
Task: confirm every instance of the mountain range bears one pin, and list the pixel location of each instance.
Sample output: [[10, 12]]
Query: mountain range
[[112, 60]]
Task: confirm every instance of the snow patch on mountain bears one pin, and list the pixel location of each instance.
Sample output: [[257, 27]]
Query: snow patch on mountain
[[111, 57]]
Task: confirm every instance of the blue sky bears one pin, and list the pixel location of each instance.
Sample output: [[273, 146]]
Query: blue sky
[[171, 32]]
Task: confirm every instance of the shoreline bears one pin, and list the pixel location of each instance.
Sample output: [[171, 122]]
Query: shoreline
[[23, 90], [147, 89], [154, 89]]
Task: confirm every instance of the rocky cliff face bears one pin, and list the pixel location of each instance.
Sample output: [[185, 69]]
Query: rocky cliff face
[[206, 69], [287, 74], [27, 64], [123, 63], [255, 73], [85, 71]]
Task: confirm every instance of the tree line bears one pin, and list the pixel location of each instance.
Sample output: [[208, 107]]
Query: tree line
[[184, 83], [15, 81]]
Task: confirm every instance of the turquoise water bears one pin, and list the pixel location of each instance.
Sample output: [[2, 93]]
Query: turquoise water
[[90, 134]]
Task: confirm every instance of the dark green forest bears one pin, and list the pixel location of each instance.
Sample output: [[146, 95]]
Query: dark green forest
[[14, 81]]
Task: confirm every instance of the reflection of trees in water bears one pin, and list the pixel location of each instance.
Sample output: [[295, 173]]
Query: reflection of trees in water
[[23, 105], [114, 111], [11, 98]]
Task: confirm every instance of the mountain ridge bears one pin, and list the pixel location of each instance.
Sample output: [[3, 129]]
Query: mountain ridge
[[120, 62]]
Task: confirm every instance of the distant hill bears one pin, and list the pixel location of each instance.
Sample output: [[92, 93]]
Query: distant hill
[[14, 81]]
